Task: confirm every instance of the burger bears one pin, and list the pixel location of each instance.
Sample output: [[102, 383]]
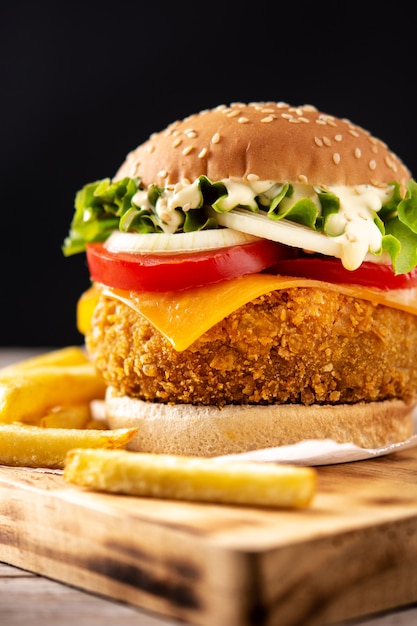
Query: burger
[[253, 283]]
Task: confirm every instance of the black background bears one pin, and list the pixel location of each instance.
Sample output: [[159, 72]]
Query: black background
[[84, 83]]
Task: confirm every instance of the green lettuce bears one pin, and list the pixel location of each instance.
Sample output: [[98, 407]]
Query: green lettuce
[[104, 206], [400, 230], [99, 208]]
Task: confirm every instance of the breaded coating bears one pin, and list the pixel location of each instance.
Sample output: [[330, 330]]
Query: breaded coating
[[299, 345]]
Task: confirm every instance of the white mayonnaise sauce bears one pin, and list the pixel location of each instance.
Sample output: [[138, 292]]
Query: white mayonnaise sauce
[[352, 228]]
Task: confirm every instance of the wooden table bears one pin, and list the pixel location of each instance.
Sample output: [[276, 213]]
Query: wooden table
[[27, 598]]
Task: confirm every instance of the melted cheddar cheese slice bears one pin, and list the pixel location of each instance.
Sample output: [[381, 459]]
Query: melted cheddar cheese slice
[[183, 316]]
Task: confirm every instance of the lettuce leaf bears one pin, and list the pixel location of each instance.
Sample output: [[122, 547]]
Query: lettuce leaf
[[104, 206]]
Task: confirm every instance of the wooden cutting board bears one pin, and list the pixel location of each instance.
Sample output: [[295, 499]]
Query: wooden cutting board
[[353, 552]]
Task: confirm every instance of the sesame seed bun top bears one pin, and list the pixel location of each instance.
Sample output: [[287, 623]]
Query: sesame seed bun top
[[265, 141]]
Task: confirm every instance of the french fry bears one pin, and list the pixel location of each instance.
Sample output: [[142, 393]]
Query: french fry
[[71, 355], [97, 424], [31, 393], [33, 446], [191, 478], [77, 416]]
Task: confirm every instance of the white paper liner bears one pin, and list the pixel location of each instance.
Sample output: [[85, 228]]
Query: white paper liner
[[320, 452]]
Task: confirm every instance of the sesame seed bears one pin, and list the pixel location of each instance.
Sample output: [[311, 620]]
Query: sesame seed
[[336, 158], [191, 134], [202, 153], [338, 137], [326, 141], [266, 120], [394, 161], [358, 153], [215, 138], [282, 105], [352, 132], [187, 150], [374, 149], [252, 177], [286, 116], [304, 119], [372, 164], [320, 122], [302, 178], [267, 110], [232, 113], [162, 174], [294, 120], [151, 148], [177, 142], [318, 141], [243, 120]]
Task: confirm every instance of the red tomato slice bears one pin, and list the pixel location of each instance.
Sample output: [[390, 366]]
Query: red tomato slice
[[174, 272], [332, 271]]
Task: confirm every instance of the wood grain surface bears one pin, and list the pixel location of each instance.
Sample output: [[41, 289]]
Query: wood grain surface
[[352, 553], [29, 599]]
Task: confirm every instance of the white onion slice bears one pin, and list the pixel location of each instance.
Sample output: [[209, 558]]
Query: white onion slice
[[291, 234], [179, 242], [282, 231]]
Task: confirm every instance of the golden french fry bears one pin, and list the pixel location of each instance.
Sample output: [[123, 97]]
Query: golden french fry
[[97, 424], [28, 420], [34, 392], [77, 416], [191, 478], [33, 446], [71, 355]]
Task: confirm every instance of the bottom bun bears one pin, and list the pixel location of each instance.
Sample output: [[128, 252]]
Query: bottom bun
[[210, 431]]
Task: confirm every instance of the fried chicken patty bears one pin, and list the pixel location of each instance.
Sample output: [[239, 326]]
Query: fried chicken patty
[[292, 346]]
